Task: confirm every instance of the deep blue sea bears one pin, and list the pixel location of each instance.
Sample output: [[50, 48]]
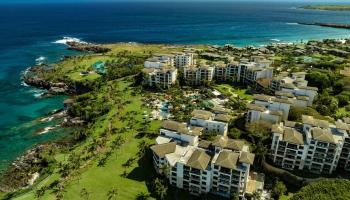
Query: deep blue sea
[[29, 34]]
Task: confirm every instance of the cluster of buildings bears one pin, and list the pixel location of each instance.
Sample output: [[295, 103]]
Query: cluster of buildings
[[290, 91], [221, 166], [314, 145], [162, 70]]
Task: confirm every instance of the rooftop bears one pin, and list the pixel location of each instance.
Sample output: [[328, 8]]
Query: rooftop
[[162, 149], [199, 160], [227, 159], [202, 114], [323, 135]]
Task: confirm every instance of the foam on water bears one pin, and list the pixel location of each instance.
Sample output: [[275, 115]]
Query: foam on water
[[65, 40], [40, 60]]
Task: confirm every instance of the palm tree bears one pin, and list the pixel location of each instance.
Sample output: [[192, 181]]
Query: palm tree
[[84, 194], [39, 193], [142, 196], [112, 194]]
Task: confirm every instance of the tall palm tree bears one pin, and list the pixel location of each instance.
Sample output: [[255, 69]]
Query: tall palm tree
[[84, 194], [112, 194]]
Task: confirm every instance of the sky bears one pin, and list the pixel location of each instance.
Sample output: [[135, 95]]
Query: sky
[[80, 1]]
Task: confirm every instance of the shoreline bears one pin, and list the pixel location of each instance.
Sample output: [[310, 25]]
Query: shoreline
[[49, 85]]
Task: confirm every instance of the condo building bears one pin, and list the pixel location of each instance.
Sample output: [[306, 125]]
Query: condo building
[[314, 145], [295, 85], [221, 167], [212, 123], [268, 108], [202, 74], [184, 59], [159, 77], [160, 61]]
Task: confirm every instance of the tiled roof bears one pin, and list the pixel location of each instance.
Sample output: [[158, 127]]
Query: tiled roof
[[247, 158], [291, 135], [199, 160], [222, 118], [256, 107], [227, 159], [163, 149], [323, 135], [202, 114]]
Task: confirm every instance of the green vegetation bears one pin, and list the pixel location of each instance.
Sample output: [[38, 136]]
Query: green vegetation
[[328, 7], [229, 91], [331, 189], [109, 158]]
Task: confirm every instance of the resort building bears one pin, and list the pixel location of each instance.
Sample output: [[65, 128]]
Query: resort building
[[212, 123], [252, 72], [295, 85], [314, 145], [160, 61], [226, 72], [184, 59], [198, 75], [220, 167], [159, 77], [268, 108]]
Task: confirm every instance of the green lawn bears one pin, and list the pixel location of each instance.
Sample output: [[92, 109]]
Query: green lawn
[[229, 90], [99, 180]]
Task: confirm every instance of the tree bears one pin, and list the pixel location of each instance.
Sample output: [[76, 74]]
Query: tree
[[260, 131], [84, 194], [142, 196], [40, 193], [279, 189], [112, 194], [327, 189], [159, 188]]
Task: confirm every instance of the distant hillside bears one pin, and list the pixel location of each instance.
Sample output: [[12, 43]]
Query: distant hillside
[[328, 7]]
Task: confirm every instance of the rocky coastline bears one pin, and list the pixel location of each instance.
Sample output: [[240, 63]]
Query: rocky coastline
[[331, 25], [87, 47]]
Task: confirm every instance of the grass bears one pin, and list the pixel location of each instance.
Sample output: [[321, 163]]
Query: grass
[[229, 90], [99, 180]]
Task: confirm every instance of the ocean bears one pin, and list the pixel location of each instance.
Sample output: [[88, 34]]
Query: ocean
[[32, 33]]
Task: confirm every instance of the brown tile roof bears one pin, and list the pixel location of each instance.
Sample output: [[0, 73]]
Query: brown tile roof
[[174, 126], [220, 141], [261, 97], [342, 126], [276, 128], [323, 135], [247, 158], [227, 143], [163, 149], [315, 122], [234, 145], [202, 114], [205, 144], [291, 135], [199, 160], [222, 118], [227, 159], [256, 107]]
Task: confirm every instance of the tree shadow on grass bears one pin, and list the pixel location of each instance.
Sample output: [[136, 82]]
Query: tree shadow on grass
[[145, 170]]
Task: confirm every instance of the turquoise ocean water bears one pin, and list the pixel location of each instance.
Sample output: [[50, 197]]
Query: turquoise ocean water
[[31, 33]]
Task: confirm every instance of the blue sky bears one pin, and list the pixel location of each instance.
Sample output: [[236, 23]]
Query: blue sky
[[73, 1]]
